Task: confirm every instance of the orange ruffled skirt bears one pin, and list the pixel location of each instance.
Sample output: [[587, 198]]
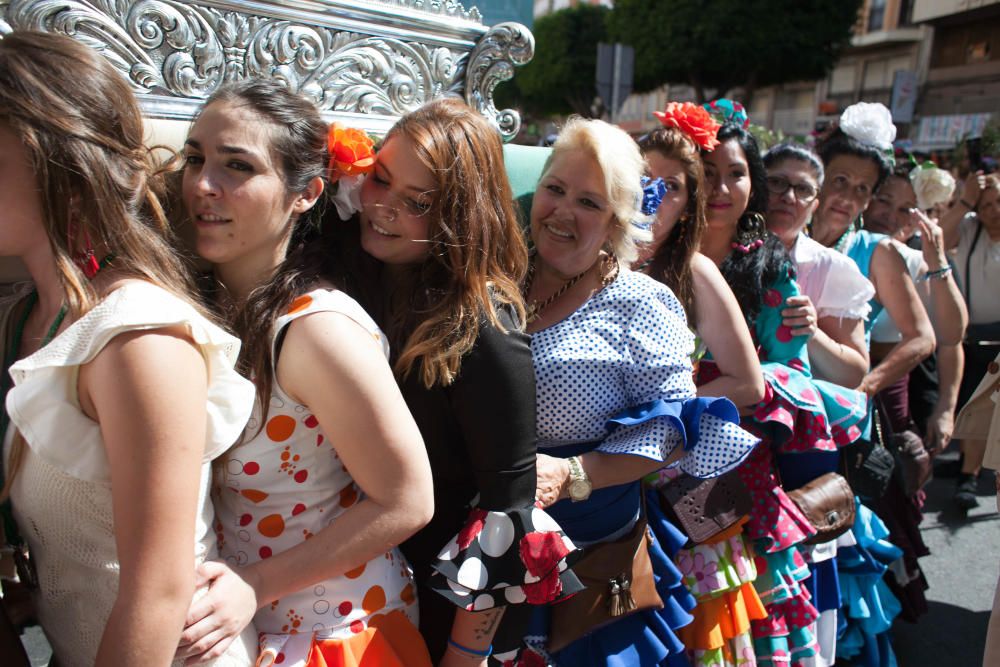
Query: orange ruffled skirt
[[390, 640]]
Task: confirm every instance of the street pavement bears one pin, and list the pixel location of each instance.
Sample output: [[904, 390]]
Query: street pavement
[[962, 571]]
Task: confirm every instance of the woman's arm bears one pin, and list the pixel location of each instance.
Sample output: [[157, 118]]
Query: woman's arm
[[604, 470], [724, 331], [895, 290], [941, 423], [836, 347], [332, 365], [148, 391], [838, 352], [945, 303], [951, 221]]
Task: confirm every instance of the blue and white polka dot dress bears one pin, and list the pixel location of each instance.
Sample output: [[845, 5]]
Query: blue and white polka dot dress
[[630, 346]]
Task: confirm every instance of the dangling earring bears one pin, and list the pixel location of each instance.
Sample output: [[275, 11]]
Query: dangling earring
[[609, 267], [88, 263], [87, 260], [750, 233]]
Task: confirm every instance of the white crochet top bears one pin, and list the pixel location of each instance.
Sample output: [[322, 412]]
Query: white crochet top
[[62, 493]]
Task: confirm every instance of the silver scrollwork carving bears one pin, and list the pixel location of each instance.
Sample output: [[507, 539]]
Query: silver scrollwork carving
[[491, 63], [177, 53]]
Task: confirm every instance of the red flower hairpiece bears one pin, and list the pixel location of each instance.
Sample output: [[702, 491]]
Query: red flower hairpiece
[[352, 152], [693, 121]]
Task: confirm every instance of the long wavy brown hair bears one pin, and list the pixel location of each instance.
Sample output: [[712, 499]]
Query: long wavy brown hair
[[671, 262], [82, 131], [477, 257]]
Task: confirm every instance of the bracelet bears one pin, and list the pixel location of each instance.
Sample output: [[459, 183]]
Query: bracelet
[[484, 653], [941, 273], [966, 204]]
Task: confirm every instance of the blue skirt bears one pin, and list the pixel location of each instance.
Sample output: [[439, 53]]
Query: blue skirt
[[646, 637]]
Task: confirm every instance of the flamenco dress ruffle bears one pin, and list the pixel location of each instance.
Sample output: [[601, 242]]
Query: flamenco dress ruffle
[[388, 640], [713, 443], [823, 583], [869, 605], [721, 574]]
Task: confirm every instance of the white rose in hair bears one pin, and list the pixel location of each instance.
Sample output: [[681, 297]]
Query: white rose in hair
[[933, 186], [869, 123], [347, 197]]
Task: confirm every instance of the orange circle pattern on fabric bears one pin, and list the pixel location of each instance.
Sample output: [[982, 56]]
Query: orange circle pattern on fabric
[[374, 600], [271, 526], [356, 572], [280, 428], [300, 304]]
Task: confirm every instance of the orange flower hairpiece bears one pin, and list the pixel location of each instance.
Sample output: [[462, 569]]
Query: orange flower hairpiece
[[692, 120], [352, 152]]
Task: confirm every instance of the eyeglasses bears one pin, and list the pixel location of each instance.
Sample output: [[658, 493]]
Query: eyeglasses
[[804, 192], [397, 203]]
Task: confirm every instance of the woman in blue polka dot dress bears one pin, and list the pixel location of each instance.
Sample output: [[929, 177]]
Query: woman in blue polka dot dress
[[615, 395]]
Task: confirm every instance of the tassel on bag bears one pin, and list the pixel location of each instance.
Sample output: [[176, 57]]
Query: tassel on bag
[[620, 600]]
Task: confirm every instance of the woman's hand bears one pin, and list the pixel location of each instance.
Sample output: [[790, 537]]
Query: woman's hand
[[933, 240], [799, 315], [975, 183], [218, 617], [552, 478], [939, 429]]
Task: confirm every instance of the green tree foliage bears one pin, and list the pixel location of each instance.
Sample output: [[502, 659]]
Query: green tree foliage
[[722, 44], [560, 79]]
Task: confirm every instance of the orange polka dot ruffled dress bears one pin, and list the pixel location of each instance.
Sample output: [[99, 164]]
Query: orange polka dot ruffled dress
[[282, 485]]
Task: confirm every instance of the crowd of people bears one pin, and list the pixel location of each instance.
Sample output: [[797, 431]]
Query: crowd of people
[[678, 412]]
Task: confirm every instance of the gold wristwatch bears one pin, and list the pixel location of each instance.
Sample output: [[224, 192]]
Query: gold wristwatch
[[579, 484]]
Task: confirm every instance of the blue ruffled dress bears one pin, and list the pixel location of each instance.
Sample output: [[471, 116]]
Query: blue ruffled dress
[[869, 605], [615, 377]]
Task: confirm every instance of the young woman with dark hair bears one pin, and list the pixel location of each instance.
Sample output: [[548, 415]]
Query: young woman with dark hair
[[674, 154], [123, 390], [673, 258], [802, 421], [331, 473]]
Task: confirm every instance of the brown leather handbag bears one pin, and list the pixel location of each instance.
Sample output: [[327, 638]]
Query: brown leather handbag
[[828, 503], [619, 582], [913, 459], [706, 507]]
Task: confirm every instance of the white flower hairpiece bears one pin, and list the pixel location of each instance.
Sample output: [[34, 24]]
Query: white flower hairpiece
[[347, 195], [870, 123], [932, 185]]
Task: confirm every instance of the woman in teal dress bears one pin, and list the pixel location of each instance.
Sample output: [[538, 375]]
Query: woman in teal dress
[[799, 414]]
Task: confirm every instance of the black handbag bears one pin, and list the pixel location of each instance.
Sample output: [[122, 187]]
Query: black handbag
[[867, 464]]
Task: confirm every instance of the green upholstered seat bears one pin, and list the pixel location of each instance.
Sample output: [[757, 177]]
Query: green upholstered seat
[[524, 167]]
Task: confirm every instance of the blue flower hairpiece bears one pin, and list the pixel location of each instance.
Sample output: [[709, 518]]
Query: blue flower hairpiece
[[653, 192]]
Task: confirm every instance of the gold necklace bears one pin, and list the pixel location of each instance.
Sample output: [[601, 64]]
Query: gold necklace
[[535, 308], [609, 271]]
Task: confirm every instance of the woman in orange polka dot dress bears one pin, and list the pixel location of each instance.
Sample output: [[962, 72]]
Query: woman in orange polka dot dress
[[331, 473]]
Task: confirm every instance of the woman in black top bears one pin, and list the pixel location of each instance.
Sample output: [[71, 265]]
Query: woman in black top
[[443, 260]]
